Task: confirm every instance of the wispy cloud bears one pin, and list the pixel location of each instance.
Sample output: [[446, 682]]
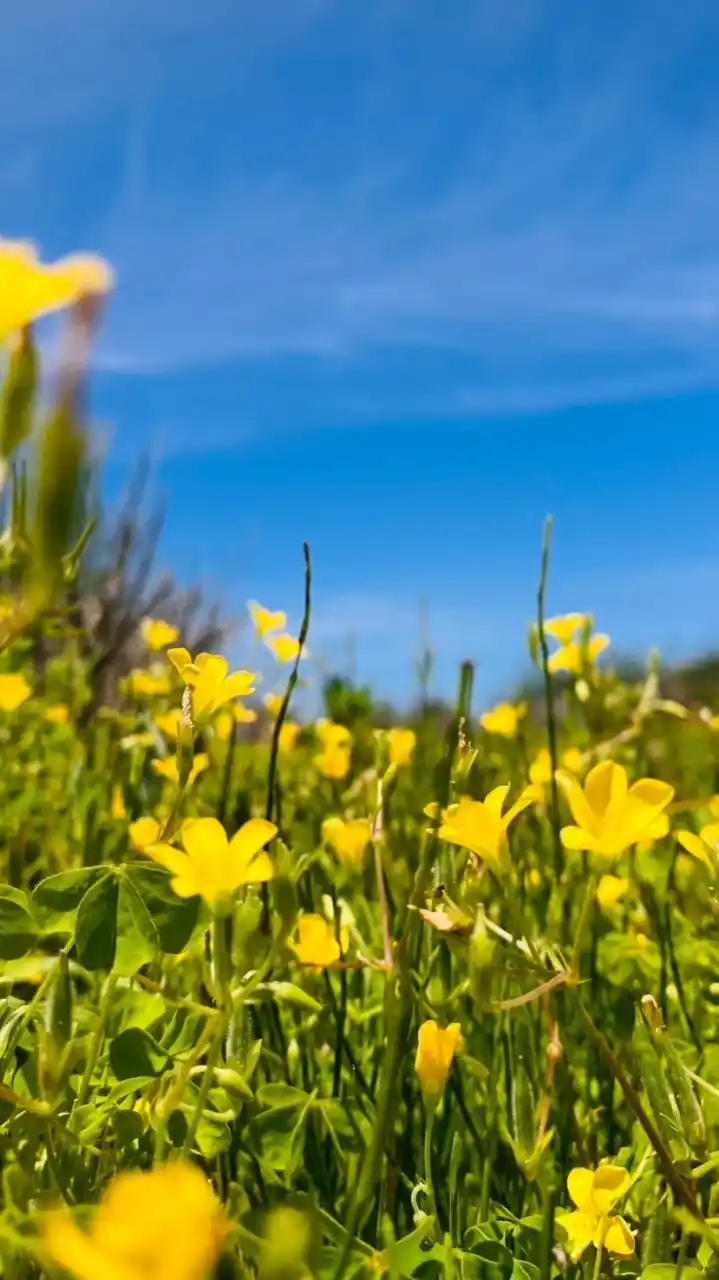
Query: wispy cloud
[[535, 191]]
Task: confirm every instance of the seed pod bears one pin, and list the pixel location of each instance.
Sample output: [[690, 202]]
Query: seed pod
[[58, 1006]]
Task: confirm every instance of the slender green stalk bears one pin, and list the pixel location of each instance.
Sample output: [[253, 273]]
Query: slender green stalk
[[430, 1113], [294, 676], [549, 697], [96, 1042]]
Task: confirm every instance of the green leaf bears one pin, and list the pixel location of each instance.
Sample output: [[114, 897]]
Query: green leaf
[[667, 1271], [96, 927], [58, 897], [527, 1271], [289, 994], [137, 938], [282, 1095], [174, 918], [136, 1053], [17, 927], [277, 1134]]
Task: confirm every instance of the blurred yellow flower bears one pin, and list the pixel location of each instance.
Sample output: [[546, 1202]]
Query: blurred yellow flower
[[611, 816], [57, 713], [334, 762], [285, 647], [572, 760], [704, 846], [611, 890], [504, 718], [209, 681], [158, 634], [567, 626], [540, 770], [289, 733], [273, 702], [165, 1224], [14, 688], [316, 942], [480, 825], [240, 714], [30, 289], [213, 866], [594, 1192], [169, 723], [117, 804], [331, 734], [349, 839], [402, 743], [149, 684], [144, 832], [436, 1047], [168, 769], [264, 620], [573, 657]]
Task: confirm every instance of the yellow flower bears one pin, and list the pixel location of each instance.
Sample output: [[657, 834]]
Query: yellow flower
[[704, 846], [656, 830], [402, 743], [209, 681], [480, 826], [149, 684], [165, 1224], [169, 723], [575, 655], [58, 713], [611, 890], [14, 688], [273, 702], [243, 714], [239, 713], [609, 815], [573, 760], [540, 770], [117, 805], [436, 1047], [213, 866], [332, 735], [29, 289], [503, 719], [158, 634], [316, 943], [143, 833], [285, 647], [289, 733], [348, 839], [594, 1192], [264, 620], [334, 762], [567, 626], [168, 768]]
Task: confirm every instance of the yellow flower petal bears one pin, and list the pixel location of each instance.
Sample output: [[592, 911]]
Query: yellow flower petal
[[580, 1185], [610, 1182], [249, 865], [285, 647], [618, 1238], [14, 690], [264, 620], [580, 1228]]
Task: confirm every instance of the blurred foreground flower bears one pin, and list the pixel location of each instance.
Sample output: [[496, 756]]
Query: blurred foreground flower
[[264, 620], [611, 890], [163, 1225], [611, 816], [316, 943], [213, 866], [594, 1192], [578, 648], [480, 825], [158, 634], [208, 679], [436, 1047], [334, 762], [30, 289], [504, 718], [14, 690], [349, 839]]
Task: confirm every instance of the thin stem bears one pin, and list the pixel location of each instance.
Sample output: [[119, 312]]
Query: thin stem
[[96, 1043], [549, 695], [294, 676], [428, 1130]]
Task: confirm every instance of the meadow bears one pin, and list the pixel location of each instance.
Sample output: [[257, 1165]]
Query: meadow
[[326, 999]]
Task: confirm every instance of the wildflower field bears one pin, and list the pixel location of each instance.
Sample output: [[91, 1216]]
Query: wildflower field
[[326, 1000]]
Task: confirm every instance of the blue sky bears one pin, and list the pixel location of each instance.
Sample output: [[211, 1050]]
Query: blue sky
[[398, 277]]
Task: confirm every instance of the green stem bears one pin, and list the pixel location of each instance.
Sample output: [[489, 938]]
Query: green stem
[[428, 1130], [96, 1043], [583, 927], [549, 697]]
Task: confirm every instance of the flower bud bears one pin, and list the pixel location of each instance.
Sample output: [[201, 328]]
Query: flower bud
[[436, 1048]]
